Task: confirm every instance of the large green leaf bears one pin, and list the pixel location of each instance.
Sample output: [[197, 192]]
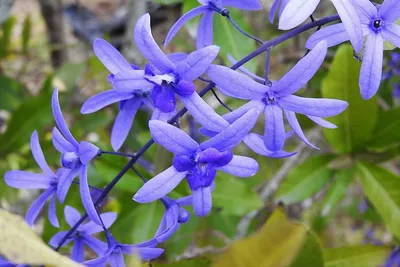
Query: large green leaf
[[26, 33], [310, 254], [356, 123], [238, 200], [305, 180], [383, 190], [11, 93], [6, 37], [387, 130], [356, 256]]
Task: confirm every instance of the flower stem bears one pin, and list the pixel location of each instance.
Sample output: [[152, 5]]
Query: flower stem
[[116, 154]]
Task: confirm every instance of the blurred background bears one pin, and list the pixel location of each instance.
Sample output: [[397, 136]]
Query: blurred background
[[47, 44]]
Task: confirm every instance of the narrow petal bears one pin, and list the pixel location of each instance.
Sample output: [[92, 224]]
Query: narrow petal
[[37, 206], [172, 138], [294, 123], [78, 250], [159, 186], [128, 82], [60, 143], [390, 10], [185, 201], [241, 167], [181, 22], [99, 262], [322, 122], [197, 62], [391, 32], [332, 35], [203, 113], [162, 227], [38, 154], [366, 10], [91, 228], [273, 9], [239, 112], [150, 253], [52, 213], [162, 116], [123, 122], [87, 152], [65, 181], [244, 4], [148, 47], [205, 29], [233, 134], [86, 197], [102, 100], [96, 245], [235, 84], [302, 72], [72, 216], [58, 117], [27, 180], [371, 67], [56, 239], [318, 107], [244, 70], [202, 201], [295, 12], [351, 22], [176, 57], [110, 57], [274, 135], [256, 143], [117, 260]]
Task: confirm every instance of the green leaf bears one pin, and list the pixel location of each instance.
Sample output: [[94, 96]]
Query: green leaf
[[11, 93], [69, 73], [5, 40], [310, 254], [305, 180], [26, 33], [238, 200], [387, 130], [187, 263], [356, 123], [20, 245], [231, 41], [356, 256], [337, 191], [383, 190]]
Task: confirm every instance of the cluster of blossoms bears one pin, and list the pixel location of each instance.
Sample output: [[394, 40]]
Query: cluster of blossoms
[[167, 77]]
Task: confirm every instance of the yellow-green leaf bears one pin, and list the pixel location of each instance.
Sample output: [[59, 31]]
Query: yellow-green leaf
[[20, 245]]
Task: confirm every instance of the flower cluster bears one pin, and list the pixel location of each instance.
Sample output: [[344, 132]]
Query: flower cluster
[[167, 78]]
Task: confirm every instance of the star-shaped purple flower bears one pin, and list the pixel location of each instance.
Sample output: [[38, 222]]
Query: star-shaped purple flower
[[5, 263], [48, 180], [297, 11], [198, 163], [83, 234], [74, 157], [278, 99], [394, 258], [378, 25], [208, 9]]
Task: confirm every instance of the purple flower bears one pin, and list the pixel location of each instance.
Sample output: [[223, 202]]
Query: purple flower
[[5, 263], [174, 215], [394, 258], [83, 234], [207, 9], [277, 3], [378, 25], [74, 157], [279, 98], [198, 163], [114, 254], [48, 180], [297, 11]]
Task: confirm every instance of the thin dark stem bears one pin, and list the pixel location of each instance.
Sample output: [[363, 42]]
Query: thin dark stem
[[318, 28], [180, 113], [116, 154], [220, 101], [242, 31], [267, 63], [91, 187], [138, 174]]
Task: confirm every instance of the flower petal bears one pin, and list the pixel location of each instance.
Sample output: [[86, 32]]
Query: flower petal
[[332, 35], [366, 10], [234, 134], [38, 154], [371, 67], [202, 201], [117, 260], [96, 245], [181, 22], [37, 206], [295, 12], [99, 262], [91, 228], [391, 32], [60, 143], [72, 215], [159, 186], [78, 250], [244, 4], [294, 123], [110, 57], [56, 239], [58, 117], [52, 213], [203, 113], [256, 143], [197, 62], [87, 152], [302, 72], [123, 122], [148, 47], [149, 253], [241, 166], [65, 181], [102, 100], [274, 135], [86, 197], [390, 10], [128, 82], [172, 138], [27, 180], [185, 201], [244, 70], [318, 107], [273, 9], [162, 116], [235, 84], [205, 31], [322, 122]]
